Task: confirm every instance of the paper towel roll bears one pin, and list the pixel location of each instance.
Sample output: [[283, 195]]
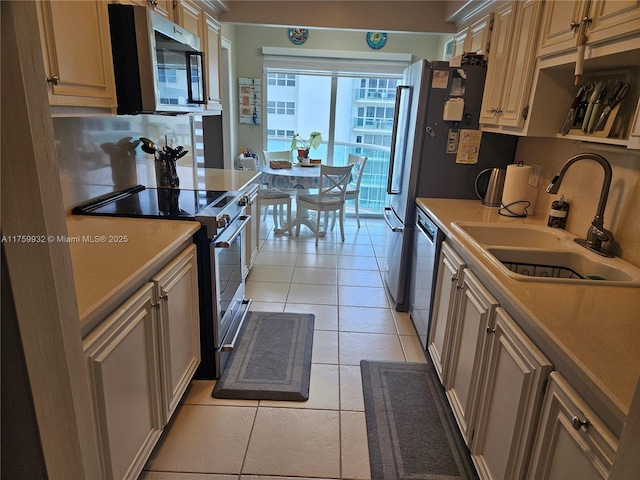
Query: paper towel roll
[[514, 193]]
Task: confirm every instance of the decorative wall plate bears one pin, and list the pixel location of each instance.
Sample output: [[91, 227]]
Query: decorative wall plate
[[376, 40], [298, 35]]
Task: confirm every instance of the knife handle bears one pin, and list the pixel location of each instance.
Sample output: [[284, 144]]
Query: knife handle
[[594, 117], [587, 117]]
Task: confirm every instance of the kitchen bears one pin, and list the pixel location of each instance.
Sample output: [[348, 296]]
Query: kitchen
[[624, 220]]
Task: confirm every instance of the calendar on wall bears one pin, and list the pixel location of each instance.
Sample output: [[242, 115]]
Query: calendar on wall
[[250, 101]]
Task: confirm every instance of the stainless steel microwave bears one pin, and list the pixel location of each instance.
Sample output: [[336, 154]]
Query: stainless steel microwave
[[157, 64]]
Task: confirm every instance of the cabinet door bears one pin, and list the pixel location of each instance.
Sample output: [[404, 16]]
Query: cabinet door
[[460, 42], [212, 45], [476, 308], [77, 53], [479, 35], [191, 18], [560, 23], [444, 307], [518, 73], [500, 43], [610, 19], [163, 7], [253, 228], [123, 367], [179, 326], [572, 442], [510, 401]]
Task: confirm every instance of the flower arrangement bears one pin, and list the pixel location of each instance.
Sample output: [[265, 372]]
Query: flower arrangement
[[303, 146]]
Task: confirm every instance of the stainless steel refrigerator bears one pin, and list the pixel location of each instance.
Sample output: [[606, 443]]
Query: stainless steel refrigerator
[[434, 157]]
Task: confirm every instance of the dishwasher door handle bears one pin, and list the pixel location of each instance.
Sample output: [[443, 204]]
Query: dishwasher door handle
[[394, 228]]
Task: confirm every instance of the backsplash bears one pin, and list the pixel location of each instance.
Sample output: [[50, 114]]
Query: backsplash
[[581, 187], [96, 157]]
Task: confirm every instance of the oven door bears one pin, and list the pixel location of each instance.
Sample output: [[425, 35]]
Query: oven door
[[231, 307]]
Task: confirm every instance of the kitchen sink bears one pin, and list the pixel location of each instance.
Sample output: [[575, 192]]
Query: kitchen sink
[[514, 235], [537, 253]]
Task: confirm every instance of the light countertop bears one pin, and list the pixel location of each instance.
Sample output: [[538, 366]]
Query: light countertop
[[591, 333], [113, 257]]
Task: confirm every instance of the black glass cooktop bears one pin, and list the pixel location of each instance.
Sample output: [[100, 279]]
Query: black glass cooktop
[[144, 202]]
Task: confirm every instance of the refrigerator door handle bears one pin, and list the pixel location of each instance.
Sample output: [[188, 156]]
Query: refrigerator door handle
[[394, 228], [394, 136]]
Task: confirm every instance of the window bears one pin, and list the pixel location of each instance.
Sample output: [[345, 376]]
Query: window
[[281, 134], [167, 75], [281, 79], [376, 118], [281, 108]]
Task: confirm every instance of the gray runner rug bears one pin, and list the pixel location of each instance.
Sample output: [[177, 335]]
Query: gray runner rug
[[272, 360], [411, 431]]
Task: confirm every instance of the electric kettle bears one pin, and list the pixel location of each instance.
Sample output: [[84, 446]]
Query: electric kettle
[[489, 185]]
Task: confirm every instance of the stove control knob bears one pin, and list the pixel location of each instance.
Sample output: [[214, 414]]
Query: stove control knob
[[244, 201], [223, 220]]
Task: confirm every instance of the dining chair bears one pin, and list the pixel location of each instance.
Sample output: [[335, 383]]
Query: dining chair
[[270, 196], [277, 155], [353, 188], [330, 197]]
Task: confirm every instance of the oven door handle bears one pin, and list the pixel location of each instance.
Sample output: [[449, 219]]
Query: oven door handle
[[228, 347], [227, 243]]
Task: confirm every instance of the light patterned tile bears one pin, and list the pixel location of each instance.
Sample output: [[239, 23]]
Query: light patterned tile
[[354, 448], [325, 347], [199, 393], [308, 443], [363, 297], [309, 293], [267, 291], [365, 319], [357, 263], [319, 276], [413, 350], [316, 260], [359, 278], [369, 346], [184, 476], [224, 430], [270, 273], [351, 397], [266, 306], [282, 259], [326, 316]]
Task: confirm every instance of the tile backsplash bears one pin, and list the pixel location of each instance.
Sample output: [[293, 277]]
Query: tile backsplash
[[99, 154]]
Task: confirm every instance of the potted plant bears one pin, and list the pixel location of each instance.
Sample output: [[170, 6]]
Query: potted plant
[[303, 146]]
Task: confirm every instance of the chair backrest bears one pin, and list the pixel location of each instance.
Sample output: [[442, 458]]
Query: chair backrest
[[277, 155], [358, 163], [249, 163], [334, 180]]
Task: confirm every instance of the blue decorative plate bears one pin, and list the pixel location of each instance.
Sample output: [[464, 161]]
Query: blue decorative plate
[[376, 40], [298, 35]]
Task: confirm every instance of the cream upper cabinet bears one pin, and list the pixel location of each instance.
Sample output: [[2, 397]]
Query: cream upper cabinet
[[600, 20], [561, 25], [475, 37], [511, 64], [514, 375], [202, 23], [449, 282], [572, 442], [77, 53], [612, 19]]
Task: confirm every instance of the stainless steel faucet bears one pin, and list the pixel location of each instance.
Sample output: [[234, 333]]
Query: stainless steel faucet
[[596, 233]]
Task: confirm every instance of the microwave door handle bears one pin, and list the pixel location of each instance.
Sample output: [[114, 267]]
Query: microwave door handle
[[200, 67], [394, 135]]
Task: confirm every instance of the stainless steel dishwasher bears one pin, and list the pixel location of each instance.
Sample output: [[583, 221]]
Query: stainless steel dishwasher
[[424, 265]]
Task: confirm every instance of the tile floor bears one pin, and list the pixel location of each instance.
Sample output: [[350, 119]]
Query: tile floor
[[324, 437]]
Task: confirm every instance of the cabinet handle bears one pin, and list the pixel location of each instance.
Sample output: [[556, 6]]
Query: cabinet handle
[[498, 110], [164, 297], [454, 278], [578, 424], [574, 25], [490, 330], [155, 305], [493, 110], [55, 80]]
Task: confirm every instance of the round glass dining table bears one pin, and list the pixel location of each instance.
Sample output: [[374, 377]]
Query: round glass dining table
[[295, 179]]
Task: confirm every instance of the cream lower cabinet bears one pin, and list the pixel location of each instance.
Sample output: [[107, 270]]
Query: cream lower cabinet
[[444, 307], [176, 289], [466, 357], [513, 376], [124, 372], [572, 442], [253, 228], [140, 360]]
